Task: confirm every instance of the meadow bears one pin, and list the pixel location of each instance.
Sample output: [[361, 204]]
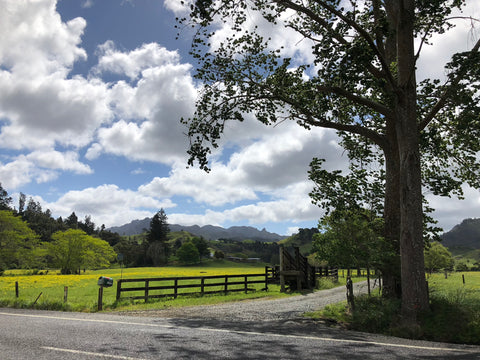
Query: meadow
[[83, 288]]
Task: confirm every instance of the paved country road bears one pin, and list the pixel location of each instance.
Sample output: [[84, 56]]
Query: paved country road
[[198, 333]]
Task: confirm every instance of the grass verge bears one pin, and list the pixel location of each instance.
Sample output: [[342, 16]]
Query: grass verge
[[454, 314]]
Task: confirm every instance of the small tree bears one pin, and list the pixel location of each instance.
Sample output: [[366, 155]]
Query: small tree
[[188, 253], [438, 257]]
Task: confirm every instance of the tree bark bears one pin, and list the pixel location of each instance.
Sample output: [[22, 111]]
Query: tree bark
[[391, 268], [414, 289]]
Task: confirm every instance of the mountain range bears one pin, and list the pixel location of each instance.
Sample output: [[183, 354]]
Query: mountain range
[[208, 232], [466, 234]]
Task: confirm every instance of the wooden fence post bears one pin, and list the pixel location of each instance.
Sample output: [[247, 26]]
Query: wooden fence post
[[65, 294], [119, 288], [147, 283], [202, 286], [100, 298], [16, 289], [175, 288], [226, 284], [266, 278], [246, 284]]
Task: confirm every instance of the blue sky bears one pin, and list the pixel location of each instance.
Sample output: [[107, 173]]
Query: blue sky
[[92, 93]]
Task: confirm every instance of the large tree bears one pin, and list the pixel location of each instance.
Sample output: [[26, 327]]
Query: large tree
[[360, 79], [73, 249]]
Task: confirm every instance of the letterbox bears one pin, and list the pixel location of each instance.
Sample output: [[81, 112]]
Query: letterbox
[[105, 281]]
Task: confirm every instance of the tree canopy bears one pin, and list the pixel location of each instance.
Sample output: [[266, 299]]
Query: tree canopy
[[73, 249], [18, 243], [357, 76]]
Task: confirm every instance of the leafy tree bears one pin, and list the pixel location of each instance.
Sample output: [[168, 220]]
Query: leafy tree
[[22, 200], [111, 237], [202, 246], [438, 257], [18, 243], [73, 249], [87, 225], [5, 200], [72, 221], [351, 239], [188, 253], [133, 252], [219, 254], [360, 79], [40, 221]]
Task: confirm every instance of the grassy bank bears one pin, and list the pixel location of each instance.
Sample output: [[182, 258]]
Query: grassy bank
[[454, 315]]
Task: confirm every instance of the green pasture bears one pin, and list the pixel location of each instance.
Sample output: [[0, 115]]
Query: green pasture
[[83, 288]]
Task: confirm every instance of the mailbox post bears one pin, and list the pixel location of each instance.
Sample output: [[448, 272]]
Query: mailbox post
[[103, 281]]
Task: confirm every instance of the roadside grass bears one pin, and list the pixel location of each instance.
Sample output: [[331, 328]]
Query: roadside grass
[[454, 314]]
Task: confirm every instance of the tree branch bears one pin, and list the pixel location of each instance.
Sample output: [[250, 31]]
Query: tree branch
[[447, 93], [365, 35], [382, 109]]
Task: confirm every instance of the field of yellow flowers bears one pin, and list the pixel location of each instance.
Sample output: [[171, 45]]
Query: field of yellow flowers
[[46, 290]]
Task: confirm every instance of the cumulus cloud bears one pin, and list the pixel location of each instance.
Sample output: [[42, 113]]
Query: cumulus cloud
[[108, 204], [41, 106], [150, 110], [134, 62]]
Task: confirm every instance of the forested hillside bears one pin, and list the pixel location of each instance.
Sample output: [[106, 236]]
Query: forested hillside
[[466, 234]]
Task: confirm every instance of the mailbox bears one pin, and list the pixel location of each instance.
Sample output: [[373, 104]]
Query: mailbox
[[105, 281]]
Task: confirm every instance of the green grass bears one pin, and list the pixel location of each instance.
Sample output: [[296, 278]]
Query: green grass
[[83, 288], [454, 315]]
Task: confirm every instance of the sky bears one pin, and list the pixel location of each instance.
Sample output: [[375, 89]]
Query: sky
[[91, 96]]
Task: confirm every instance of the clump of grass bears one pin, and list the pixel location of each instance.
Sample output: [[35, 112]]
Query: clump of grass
[[374, 313], [324, 283]]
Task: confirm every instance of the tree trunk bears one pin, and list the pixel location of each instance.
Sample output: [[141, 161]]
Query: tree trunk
[[391, 267], [414, 288]]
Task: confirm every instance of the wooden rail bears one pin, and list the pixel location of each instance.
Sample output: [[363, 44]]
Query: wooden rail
[[222, 283]]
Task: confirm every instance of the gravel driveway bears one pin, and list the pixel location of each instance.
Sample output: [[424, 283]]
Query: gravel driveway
[[258, 310]]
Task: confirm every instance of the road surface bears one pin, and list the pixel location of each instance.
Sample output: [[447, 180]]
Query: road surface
[[42, 335]]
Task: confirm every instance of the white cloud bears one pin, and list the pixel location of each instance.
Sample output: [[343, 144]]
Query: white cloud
[[151, 109], [134, 62], [108, 204], [179, 7], [67, 161], [35, 41]]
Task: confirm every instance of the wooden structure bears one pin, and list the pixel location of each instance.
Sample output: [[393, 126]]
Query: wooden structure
[[295, 271], [176, 286]]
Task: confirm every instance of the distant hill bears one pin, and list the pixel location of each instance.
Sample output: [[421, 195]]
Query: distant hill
[[466, 235], [209, 232]]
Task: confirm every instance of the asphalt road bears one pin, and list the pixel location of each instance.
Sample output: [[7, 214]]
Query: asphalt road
[[38, 335]]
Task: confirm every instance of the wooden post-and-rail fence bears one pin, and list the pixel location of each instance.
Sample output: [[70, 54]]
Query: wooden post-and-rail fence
[[172, 286]]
